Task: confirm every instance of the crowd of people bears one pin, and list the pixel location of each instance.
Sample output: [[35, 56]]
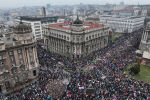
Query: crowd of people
[[103, 81]]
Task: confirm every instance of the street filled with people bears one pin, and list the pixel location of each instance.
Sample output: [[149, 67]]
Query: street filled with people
[[99, 76]]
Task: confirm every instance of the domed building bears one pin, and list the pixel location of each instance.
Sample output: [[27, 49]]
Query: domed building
[[18, 58], [75, 39]]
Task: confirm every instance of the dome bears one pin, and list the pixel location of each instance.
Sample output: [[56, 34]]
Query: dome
[[22, 28], [77, 21]]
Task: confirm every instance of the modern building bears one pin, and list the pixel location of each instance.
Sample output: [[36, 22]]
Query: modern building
[[42, 11], [18, 58], [36, 24], [123, 24], [144, 47], [75, 40]]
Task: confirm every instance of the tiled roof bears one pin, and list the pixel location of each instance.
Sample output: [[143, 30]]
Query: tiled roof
[[61, 25]]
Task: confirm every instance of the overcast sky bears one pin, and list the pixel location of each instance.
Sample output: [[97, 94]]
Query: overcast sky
[[20, 3]]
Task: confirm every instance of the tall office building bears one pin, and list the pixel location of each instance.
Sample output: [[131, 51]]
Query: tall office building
[[42, 11]]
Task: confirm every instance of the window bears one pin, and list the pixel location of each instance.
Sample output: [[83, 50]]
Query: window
[[78, 37], [31, 55], [1, 57], [64, 37], [11, 53], [34, 73], [1, 63], [92, 36], [16, 78], [20, 57], [19, 51], [86, 38], [37, 29], [36, 26], [8, 38], [96, 35], [36, 23], [37, 33], [12, 59], [89, 37]]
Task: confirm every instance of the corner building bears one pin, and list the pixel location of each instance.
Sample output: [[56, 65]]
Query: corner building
[[18, 58], [75, 40]]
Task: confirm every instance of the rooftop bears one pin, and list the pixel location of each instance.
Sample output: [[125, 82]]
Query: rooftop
[[90, 18], [34, 18], [67, 26], [134, 17]]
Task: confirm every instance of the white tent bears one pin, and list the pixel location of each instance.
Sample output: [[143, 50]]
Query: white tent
[[138, 51], [146, 55]]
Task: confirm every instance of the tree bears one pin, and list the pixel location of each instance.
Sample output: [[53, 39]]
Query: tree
[[135, 69]]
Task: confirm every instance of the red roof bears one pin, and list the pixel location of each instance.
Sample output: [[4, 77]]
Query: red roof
[[61, 25]]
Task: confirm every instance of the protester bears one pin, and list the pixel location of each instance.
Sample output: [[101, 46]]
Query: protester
[[98, 76]]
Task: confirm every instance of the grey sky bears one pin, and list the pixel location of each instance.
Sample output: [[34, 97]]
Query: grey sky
[[19, 3]]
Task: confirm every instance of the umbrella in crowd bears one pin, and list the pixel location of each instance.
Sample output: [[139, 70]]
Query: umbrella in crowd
[[104, 81]]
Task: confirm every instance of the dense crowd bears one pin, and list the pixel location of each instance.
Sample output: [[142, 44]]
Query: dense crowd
[[104, 80]]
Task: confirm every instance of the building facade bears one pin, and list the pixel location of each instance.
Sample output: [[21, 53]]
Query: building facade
[[18, 58], [123, 24], [36, 24], [144, 52], [145, 41], [42, 11], [75, 39]]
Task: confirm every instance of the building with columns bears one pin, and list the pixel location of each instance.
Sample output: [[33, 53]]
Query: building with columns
[[145, 45], [123, 24], [75, 40], [18, 58]]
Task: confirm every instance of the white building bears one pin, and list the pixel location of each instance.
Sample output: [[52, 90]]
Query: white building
[[104, 19], [123, 24], [75, 40], [145, 45], [42, 11], [145, 41], [36, 24]]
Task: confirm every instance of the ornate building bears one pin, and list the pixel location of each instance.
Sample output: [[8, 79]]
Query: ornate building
[[75, 39], [145, 45], [18, 58], [145, 41]]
